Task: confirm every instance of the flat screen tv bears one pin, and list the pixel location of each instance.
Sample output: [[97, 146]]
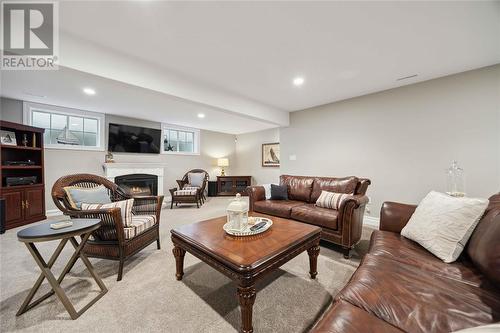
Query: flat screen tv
[[133, 139]]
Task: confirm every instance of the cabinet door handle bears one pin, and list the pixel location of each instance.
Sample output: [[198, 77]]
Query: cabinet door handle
[[27, 204], [23, 204]]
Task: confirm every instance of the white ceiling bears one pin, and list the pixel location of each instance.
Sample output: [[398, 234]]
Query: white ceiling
[[238, 59]]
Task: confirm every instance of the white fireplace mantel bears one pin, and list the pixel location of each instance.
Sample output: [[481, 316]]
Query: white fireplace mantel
[[112, 170]]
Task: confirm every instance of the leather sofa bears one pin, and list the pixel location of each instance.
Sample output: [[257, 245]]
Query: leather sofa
[[401, 287], [342, 226]]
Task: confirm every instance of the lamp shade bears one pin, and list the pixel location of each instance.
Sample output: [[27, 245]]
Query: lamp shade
[[223, 162]]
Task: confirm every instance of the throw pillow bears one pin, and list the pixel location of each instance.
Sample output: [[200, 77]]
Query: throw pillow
[[331, 200], [279, 192], [124, 205], [267, 190], [196, 179], [443, 224], [77, 195]]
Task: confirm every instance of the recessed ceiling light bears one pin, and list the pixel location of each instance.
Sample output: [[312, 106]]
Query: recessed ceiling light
[[89, 91], [298, 81], [201, 115]]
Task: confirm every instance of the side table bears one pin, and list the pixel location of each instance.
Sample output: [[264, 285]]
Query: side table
[[43, 233]]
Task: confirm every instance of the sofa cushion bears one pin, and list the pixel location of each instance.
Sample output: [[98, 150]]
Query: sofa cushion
[[279, 192], [281, 208], [319, 216], [345, 317], [443, 224], [338, 185], [299, 187], [418, 301], [402, 250], [484, 245], [140, 223], [331, 200], [185, 192]]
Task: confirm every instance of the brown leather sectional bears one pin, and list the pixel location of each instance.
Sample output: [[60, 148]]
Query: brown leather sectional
[[401, 287], [342, 227]]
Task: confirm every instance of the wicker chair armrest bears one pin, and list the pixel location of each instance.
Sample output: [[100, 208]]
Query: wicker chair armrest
[[181, 183], [148, 205]]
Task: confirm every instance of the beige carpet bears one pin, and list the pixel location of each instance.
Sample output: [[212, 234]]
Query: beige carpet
[[149, 299]]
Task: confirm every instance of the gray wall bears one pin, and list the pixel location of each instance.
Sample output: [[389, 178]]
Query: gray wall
[[59, 162], [248, 156], [403, 139]]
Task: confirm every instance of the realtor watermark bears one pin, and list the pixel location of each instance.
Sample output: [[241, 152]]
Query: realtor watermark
[[30, 35]]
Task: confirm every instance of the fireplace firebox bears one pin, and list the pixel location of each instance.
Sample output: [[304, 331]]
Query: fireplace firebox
[[138, 184]]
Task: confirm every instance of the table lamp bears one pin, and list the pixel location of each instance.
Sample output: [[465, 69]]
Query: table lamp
[[222, 162]]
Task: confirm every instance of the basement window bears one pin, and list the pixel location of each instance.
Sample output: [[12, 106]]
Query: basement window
[[180, 140], [66, 128]]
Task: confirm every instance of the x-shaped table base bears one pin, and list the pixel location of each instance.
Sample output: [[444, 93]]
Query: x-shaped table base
[[56, 283]]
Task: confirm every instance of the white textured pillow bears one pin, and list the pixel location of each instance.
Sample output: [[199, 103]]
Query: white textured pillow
[[443, 224], [267, 189], [124, 205]]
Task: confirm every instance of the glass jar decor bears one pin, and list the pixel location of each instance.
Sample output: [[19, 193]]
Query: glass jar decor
[[455, 180], [237, 213]]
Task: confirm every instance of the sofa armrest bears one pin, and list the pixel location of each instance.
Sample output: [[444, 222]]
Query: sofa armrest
[[394, 216], [255, 193], [351, 213]]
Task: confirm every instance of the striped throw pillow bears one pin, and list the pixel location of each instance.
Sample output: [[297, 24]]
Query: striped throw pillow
[[124, 205], [331, 200]]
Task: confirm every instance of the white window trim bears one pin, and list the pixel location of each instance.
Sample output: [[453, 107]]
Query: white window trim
[[196, 140], [28, 107]]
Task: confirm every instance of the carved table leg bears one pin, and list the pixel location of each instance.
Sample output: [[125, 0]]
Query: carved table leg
[[313, 260], [246, 296], [179, 261]]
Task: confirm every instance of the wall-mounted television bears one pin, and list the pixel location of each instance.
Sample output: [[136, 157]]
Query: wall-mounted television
[[133, 139]]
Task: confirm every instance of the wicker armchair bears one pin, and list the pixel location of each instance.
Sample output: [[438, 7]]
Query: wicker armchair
[[198, 195], [109, 242]]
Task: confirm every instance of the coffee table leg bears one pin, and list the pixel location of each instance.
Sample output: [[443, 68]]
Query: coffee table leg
[[313, 260], [179, 261], [246, 297]]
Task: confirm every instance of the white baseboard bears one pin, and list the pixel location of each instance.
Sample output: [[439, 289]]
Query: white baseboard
[[372, 222], [53, 212]]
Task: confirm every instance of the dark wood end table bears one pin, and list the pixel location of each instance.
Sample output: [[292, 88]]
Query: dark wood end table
[[43, 233], [246, 259]]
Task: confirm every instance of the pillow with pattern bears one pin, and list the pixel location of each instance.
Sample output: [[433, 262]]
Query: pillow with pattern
[[331, 200], [124, 205]]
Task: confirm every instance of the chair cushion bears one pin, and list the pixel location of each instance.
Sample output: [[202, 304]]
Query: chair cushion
[[196, 178], [443, 224], [415, 300], [124, 205], [319, 216], [345, 317], [299, 187], [189, 187], [185, 192], [140, 223], [281, 208], [77, 194], [338, 185]]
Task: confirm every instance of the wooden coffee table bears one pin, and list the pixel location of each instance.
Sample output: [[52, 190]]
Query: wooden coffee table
[[246, 259]]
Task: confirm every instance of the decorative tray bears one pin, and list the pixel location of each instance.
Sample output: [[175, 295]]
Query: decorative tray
[[247, 231]]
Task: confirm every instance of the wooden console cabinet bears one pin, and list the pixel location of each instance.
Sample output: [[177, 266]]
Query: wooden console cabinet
[[230, 185], [23, 203]]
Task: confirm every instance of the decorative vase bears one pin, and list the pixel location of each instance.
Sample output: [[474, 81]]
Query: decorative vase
[[455, 180]]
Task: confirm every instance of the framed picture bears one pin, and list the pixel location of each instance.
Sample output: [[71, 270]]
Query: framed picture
[[271, 154], [8, 138]]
